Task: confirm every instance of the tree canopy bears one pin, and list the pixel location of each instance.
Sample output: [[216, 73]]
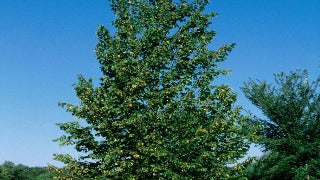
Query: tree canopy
[[157, 113], [10, 171], [291, 134]]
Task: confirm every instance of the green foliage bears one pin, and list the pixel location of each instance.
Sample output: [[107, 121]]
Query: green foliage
[[291, 133], [10, 171], [7, 170], [156, 113]]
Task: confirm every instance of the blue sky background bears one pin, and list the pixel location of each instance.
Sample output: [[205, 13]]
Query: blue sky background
[[45, 44]]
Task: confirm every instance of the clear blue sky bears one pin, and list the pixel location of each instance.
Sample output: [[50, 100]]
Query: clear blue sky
[[45, 44]]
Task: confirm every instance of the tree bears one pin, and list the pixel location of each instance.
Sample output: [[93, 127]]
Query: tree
[[6, 170], [291, 134], [156, 113], [10, 171]]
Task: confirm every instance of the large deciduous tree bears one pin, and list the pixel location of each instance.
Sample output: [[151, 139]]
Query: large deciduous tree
[[291, 134], [156, 113]]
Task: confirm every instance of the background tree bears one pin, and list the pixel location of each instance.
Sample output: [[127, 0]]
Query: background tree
[[291, 135], [156, 113], [10, 171], [6, 170]]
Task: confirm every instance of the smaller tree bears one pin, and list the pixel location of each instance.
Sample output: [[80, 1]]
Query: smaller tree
[[6, 170], [10, 171], [291, 134]]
